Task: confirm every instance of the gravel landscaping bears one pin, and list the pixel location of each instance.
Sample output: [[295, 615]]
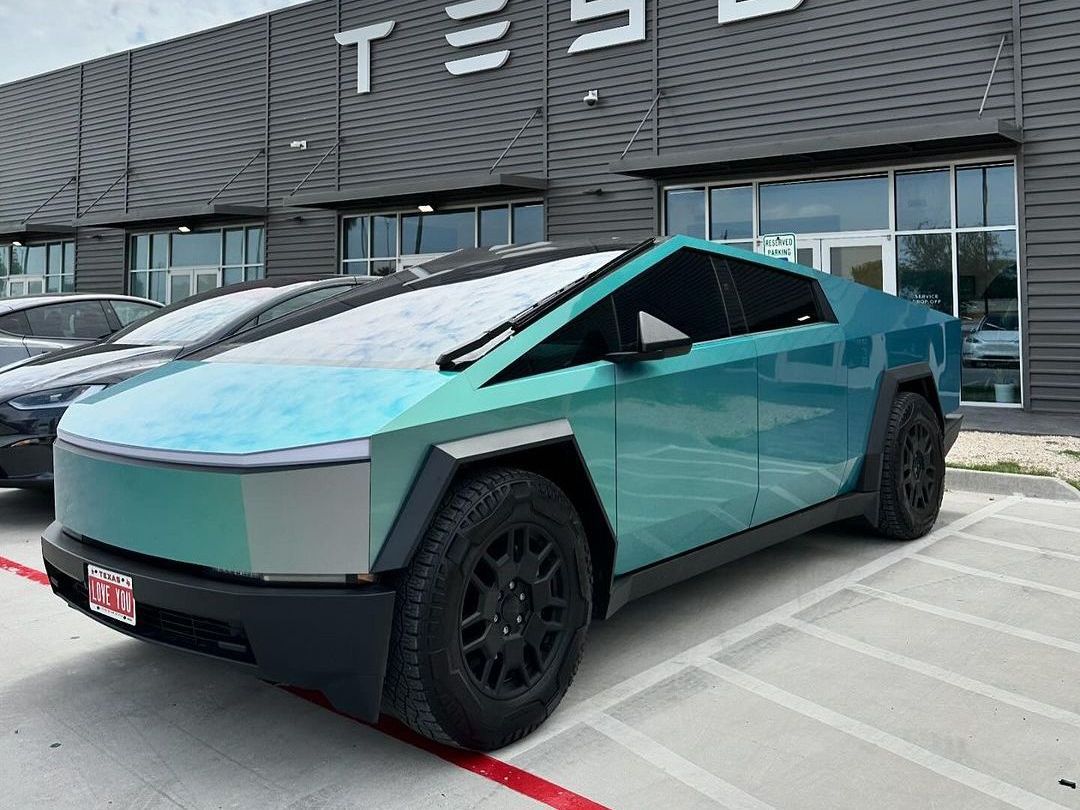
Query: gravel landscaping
[[1003, 452]]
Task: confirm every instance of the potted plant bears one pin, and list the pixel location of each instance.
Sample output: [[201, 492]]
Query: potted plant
[[1005, 390]]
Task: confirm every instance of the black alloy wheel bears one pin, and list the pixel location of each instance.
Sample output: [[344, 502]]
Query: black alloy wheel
[[912, 469], [492, 613], [514, 611]]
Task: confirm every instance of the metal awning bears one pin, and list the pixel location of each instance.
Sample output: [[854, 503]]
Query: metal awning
[[430, 191], [171, 216], [19, 231], [828, 147]]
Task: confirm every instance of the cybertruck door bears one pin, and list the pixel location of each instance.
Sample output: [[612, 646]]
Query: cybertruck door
[[802, 389], [686, 439]]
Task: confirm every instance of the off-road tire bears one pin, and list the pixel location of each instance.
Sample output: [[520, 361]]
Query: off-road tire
[[432, 684], [912, 469]]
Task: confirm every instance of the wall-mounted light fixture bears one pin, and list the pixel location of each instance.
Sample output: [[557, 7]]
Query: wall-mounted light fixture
[[16, 244], [184, 229], [426, 209]]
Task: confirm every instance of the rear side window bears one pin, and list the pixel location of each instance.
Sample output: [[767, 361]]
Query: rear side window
[[773, 299], [76, 320], [127, 312], [14, 323]]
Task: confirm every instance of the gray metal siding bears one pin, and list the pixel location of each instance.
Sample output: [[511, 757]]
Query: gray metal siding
[[419, 119], [582, 141], [829, 64], [1050, 31], [304, 69], [38, 138], [100, 260], [198, 112]]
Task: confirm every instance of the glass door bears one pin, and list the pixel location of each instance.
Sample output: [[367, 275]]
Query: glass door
[[808, 252], [869, 260], [186, 283], [26, 286]]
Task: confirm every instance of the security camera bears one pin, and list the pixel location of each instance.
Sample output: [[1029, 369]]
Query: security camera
[[592, 98]]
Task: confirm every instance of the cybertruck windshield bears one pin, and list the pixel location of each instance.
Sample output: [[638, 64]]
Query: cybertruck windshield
[[415, 317]]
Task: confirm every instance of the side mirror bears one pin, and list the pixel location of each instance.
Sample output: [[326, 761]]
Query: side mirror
[[656, 341]]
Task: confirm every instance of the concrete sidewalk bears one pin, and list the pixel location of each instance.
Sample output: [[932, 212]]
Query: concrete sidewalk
[[836, 670]]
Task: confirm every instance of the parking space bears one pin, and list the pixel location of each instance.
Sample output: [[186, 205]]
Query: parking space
[[836, 670]]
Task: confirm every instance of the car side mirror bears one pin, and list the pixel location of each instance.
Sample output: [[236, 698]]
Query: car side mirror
[[656, 340]]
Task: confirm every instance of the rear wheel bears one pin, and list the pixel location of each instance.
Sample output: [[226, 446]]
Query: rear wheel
[[492, 613], [912, 469]]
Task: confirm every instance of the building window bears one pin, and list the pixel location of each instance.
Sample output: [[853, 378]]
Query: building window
[[171, 266], [380, 244], [944, 236], [825, 206], [37, 268]]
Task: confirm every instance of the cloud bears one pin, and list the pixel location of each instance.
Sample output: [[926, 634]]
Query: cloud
[[41, 35]]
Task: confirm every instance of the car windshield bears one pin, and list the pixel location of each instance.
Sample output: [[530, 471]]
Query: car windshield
[[190, 323], [418, 321]]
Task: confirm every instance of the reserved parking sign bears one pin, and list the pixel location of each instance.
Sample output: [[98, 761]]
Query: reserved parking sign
[[779, 246]]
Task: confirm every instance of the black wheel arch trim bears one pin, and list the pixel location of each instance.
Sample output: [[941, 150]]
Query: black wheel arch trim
[[445, 461], [892, 380]]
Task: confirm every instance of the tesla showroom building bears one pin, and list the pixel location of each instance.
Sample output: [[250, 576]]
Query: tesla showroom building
[[929, 149]]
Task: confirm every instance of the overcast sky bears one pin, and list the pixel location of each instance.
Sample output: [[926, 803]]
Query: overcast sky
[[40, 35]]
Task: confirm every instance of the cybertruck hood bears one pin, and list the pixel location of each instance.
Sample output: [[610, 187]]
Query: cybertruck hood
[[241, 410]]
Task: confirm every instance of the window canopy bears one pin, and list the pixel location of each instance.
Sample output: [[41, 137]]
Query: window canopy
[[423, 191], [835, 146]]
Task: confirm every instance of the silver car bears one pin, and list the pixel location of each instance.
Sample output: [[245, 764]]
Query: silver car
[[38, 324]]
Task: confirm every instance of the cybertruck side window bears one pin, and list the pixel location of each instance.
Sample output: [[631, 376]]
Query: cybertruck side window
[[682, 290], [588, 338], [773, 299]]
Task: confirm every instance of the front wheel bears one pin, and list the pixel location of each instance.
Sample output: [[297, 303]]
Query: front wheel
[[492, 613], [912, 469]]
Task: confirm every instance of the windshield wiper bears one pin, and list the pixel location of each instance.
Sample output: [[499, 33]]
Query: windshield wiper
[[449, 361]]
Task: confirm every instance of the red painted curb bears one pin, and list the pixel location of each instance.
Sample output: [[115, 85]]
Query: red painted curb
[[503, 773], [32, 574]]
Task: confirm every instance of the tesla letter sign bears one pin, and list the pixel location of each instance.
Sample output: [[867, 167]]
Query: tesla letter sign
[[735, 10], [492, 31]]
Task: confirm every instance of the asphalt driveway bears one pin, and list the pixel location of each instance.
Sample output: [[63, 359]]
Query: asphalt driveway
[[834, 671]]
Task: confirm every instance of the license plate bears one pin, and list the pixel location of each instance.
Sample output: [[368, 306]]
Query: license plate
[[111, 594]]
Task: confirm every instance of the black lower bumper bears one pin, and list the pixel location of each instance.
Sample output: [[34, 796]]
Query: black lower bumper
[[953, 423], [334, 640], [27, 463]]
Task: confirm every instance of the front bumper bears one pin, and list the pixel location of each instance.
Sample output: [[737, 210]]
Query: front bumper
[[332, 639], [26, 461]]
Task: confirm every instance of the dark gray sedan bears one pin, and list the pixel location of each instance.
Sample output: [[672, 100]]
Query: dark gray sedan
[[35, 393], [38, 324]]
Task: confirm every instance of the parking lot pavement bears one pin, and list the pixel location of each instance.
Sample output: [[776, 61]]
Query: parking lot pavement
[[836, 670]]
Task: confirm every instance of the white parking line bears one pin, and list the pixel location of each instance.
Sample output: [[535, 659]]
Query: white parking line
[[682, 769], [950, 769], [967, 618], [938, 673], [994, 575], [1042, 523], [1047, 552], [588, 709]]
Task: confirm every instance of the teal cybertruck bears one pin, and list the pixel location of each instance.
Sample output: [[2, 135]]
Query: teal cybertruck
[[416, 497]]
